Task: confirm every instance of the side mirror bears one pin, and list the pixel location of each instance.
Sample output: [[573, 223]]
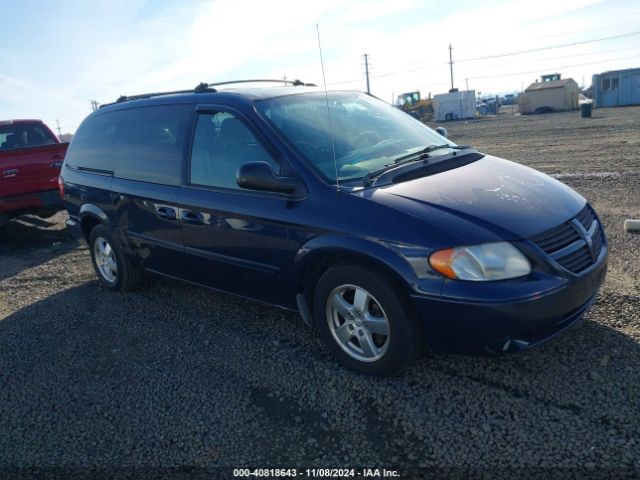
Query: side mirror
[[260, 176], [442, 131]]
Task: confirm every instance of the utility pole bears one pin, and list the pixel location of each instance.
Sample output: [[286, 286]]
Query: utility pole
[[366, 70], [94, 105], [59, 131], [451, 64]]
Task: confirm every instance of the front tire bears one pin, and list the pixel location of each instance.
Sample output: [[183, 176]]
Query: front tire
[[114, 269], [364, 320]]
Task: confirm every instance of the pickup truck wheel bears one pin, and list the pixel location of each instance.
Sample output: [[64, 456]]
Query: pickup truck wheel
[[115, 271], [364, 321]]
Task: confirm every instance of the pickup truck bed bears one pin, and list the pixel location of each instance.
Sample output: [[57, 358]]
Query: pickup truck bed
[[28, 171]]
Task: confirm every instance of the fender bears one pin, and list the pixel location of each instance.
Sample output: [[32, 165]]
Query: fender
[[373, 250], [93, 211]]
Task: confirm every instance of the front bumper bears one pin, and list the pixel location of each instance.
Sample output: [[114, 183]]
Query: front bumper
[[494, 327]]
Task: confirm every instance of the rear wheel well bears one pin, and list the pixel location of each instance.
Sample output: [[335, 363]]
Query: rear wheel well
[[87, 223], [321, 263]]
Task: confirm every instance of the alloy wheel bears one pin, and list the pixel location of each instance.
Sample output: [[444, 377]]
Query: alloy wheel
[[105, 260], [358, 323]]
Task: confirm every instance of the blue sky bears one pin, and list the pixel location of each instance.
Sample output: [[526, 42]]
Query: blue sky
[[56, 56]]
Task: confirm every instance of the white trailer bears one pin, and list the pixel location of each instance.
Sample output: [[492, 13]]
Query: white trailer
[[454, 105]]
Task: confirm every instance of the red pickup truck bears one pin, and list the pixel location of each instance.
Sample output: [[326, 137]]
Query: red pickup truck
[[30, 159]]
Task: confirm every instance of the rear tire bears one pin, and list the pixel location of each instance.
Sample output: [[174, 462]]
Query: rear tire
[[114, 269], [364, 320]]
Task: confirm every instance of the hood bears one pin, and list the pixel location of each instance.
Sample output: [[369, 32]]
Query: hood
[[503, 197]]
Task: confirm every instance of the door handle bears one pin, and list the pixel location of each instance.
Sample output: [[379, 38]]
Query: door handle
[[166, 213], [192, 218]]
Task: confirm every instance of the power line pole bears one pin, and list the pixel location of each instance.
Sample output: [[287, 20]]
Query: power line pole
[[366, 70], [59, 131], [94, 105], [451, 64]]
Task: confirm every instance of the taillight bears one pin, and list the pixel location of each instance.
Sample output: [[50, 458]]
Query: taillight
[[61, 187]]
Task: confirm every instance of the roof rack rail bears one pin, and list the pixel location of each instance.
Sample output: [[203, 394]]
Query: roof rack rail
[[202, 87], [207, 87], [295, 83]]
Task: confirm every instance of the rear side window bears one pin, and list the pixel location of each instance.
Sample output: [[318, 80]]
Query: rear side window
[[93, 144], [143, 144], [150, 143]]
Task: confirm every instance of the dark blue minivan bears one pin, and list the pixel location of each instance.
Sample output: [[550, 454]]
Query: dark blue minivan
[[385, 236]]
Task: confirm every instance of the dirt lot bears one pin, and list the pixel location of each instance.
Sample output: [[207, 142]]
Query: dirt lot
[[173, 375]]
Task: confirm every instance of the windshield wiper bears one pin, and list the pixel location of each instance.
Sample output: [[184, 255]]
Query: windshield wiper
[[423, 154]]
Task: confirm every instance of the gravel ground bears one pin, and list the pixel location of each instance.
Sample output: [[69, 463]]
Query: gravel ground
[[173, 375]]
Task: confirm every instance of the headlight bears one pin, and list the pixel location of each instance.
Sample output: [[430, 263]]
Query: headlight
[[481, 263]]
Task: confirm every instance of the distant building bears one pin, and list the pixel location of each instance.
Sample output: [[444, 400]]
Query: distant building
[[616, 88], [552, 94], [454, 105]]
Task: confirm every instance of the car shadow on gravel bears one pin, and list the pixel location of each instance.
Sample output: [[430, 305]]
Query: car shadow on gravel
[[177, 375], [29, 241]]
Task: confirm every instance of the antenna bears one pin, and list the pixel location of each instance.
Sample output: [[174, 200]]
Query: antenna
[[326, 97]]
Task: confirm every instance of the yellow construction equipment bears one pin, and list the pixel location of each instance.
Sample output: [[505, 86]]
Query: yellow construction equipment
[[420, 108]]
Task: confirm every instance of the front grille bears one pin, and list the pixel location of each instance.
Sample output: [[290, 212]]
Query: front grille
[[575, 244]]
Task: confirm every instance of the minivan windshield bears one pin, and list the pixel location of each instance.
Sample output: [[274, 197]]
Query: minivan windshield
[[368, 134]]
